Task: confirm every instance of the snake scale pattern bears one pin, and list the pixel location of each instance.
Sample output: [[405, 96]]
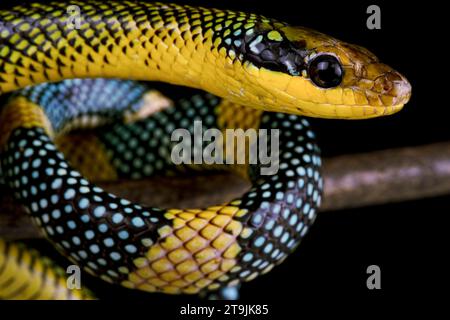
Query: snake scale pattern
[[257, 73]]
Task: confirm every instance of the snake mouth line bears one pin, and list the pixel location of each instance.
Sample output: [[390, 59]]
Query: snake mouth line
[[355, 112], [385, 111], [367, 111]]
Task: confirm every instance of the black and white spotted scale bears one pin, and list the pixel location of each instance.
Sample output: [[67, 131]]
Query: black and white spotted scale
[[106, 234]]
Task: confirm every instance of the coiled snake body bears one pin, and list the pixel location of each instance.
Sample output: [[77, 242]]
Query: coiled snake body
[[260, 73]]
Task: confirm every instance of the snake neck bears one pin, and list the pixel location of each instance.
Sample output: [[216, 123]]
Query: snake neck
[[133, 40]]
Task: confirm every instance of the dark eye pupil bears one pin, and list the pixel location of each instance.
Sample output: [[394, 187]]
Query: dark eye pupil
[[325, 71]]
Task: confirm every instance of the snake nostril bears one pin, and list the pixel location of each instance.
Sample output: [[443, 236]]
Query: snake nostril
[[383, 85], [392, 87], [395, 77]]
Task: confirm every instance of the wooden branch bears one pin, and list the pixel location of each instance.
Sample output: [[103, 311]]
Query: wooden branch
[[350, 181]]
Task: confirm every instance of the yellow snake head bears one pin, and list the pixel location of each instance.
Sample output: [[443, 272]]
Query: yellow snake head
[[305, 72]]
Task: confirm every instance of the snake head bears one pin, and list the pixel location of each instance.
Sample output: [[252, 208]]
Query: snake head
[[362, 85], [313, 74]]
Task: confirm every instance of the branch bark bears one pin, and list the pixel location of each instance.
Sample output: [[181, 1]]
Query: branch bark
[[350, 181]]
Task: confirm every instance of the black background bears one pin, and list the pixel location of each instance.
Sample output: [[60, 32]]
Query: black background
[[407, 240]]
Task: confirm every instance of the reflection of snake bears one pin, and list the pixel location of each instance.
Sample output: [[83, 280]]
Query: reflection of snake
[[246, 59]]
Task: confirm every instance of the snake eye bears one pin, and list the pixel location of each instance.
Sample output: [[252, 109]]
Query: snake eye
[[325, 71]]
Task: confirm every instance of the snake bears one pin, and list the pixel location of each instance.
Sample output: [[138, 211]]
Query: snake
[[78, 106]]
